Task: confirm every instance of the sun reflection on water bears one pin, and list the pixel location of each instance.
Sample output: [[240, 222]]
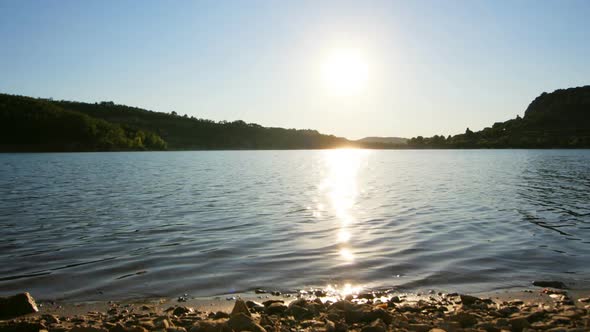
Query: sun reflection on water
[[346, 289], [340, 188], [343, 236]]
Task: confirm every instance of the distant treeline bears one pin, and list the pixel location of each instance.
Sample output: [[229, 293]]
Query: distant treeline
[[182, 132], [560, 119], [32, 124]]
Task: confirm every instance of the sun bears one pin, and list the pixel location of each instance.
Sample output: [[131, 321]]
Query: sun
[[345, 72]]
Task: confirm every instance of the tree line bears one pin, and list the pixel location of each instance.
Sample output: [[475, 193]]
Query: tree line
[[560, 119], [29, 124]]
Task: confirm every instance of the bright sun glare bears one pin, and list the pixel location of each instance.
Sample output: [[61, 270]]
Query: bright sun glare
[[345, 72]]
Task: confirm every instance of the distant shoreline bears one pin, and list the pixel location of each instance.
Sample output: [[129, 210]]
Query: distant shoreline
[[556, 120], [319, 149]]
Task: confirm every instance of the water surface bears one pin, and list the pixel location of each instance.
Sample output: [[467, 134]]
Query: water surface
[[88, 226]]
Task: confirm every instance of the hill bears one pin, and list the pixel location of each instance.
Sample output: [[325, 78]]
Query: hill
[[560, 119], [384, 140], [28, 124], [31, 124], [189, 133]]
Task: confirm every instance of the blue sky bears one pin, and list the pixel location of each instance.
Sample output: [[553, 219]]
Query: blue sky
[[434, 67]]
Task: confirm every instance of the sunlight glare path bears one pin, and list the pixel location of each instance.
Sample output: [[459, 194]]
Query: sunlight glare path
[[340, 187]]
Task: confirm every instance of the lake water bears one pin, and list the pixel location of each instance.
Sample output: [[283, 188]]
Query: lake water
[[86, 226]]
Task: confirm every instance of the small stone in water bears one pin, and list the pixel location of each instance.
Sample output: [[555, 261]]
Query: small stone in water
[[320, 293]]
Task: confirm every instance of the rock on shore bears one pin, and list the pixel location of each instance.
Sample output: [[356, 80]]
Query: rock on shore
[[435, 313], [17, 305]]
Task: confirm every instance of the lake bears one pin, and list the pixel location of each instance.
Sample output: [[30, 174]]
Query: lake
[[87, 226]]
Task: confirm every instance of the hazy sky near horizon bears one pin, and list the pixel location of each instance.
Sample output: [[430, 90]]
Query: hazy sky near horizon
[[433, 67]]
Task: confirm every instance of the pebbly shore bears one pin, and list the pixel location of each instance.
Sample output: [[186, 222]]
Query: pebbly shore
[[547, 309]]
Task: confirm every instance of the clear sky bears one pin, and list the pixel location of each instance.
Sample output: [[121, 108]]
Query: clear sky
[[428, 67]]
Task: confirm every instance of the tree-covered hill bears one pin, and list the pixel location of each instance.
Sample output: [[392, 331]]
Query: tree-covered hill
[[560, 119], [28, 124], [31, 124], [189, 133]]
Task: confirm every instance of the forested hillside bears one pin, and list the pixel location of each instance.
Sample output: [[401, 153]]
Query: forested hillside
[[28, 124], [189, 133], [560, 119]]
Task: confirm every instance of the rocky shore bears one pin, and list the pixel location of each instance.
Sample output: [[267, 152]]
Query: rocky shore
[[548, 310]]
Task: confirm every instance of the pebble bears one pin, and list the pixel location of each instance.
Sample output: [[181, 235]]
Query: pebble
[[88, 329], [240, 307], [468, 299], [275, 308], [518, 324], [240, 322], [419, 327], [395, 299], [465, 319], [51, 319], [375, 326], [269, 302], [176, 329], [220, 315], [179, 311]]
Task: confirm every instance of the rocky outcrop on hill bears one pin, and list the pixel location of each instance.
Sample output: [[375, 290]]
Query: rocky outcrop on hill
[[560, 119]]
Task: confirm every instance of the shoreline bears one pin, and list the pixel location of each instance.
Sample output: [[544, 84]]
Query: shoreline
[[305, 149], [225, 302], [535, 309]]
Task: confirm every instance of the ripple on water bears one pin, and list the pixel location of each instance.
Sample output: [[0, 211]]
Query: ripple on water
[[108, 225]]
